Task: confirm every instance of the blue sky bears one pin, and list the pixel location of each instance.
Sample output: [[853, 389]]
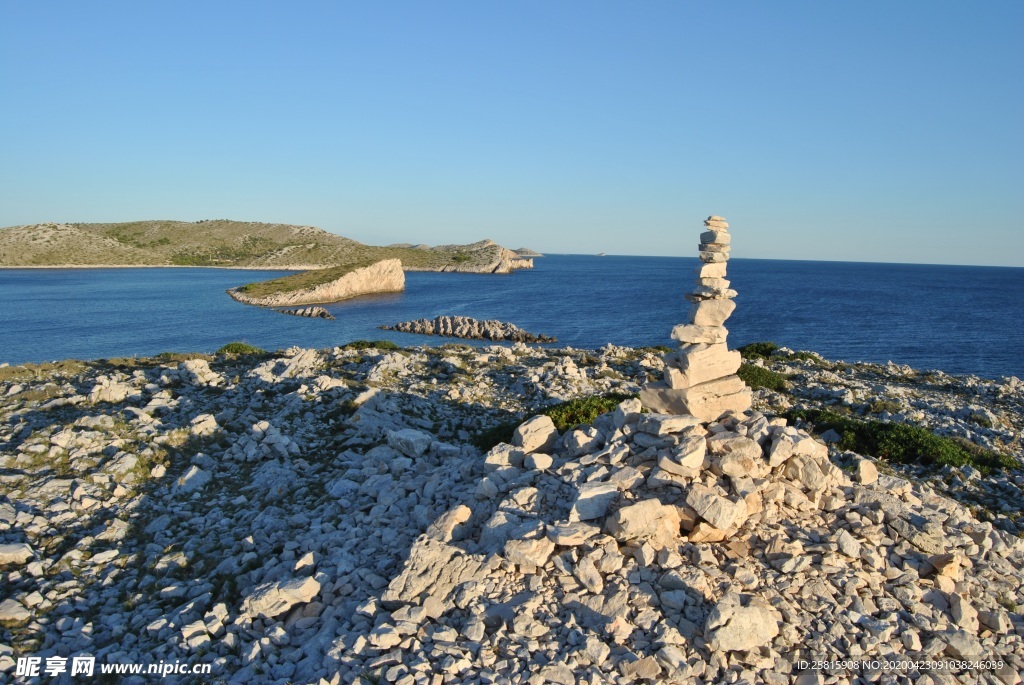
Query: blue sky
[[853, 131]]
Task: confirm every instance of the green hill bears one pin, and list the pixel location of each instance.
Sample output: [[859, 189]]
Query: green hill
[[228, 243]]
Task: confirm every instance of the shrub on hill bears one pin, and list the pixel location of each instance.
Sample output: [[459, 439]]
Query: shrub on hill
[[901, 443], [565, 416], [371, 344], [758, 350], [239, 348], [760, 377]]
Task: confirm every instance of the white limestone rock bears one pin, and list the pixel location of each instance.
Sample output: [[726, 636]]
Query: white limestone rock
[[410, 442], [273, 599], [711, 312], [720, 512], [804, 470], [721, 237], [707, 401], [15, 553], [711, 270], [193, 479], [662, 424], [593, 501], [536, 435], [648, 520], [627, 412], [685, 457], [197, 372], [13, 611], [435, 569], [866, 472], [701, 363], [529, 552], [740, 623], [691, 334]]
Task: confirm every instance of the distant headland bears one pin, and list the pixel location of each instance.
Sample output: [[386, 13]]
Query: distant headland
[[329, 261]]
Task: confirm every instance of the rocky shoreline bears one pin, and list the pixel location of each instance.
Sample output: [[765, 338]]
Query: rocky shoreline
[[338, 514], [469, 328]]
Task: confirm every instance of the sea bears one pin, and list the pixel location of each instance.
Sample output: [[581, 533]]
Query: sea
[[958, 319]]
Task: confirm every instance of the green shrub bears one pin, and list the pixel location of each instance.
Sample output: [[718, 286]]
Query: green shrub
[[758, 350], [172, 357], [239, 348], [582, 410], [902, 444], [878, 406], [489, 437], [805, 357], [371, 344], [565, 416], [980, 420], [655, 349], [760, 377]]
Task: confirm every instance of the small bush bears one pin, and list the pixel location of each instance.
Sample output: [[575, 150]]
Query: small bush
[[760, 377], [371, 344], [758, 350], [655, 349], [980, 419], [804, 357], [565, 416], [903, 444], [583, 409], [489, 437], [878, 406], [240, 348], [173, 357]]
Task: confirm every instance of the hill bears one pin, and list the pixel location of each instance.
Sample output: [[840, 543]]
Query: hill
[[226, 243]]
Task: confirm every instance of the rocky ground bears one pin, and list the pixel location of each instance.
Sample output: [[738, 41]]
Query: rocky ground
[[329, 514]]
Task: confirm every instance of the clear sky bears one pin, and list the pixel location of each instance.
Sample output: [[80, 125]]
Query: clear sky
[[879, 131]]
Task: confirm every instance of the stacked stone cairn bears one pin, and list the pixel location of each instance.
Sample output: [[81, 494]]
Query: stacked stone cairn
[[700, 378]]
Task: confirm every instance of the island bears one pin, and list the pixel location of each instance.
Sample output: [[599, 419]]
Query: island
[[329, 261], [466, 327]]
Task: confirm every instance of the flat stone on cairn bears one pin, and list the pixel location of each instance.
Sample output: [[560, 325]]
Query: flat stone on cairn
[[700, 378]]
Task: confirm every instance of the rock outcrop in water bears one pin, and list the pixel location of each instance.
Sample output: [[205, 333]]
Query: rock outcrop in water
[[385, 276], [309, 312], [466, 327], [700, 377]]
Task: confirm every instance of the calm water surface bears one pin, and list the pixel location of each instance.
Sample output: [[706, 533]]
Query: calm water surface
[[956, 318]]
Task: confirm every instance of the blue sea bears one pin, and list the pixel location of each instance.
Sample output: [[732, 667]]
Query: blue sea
[[960, 319]]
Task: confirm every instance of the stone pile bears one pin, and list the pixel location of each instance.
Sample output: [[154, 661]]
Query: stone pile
[[700, 378]]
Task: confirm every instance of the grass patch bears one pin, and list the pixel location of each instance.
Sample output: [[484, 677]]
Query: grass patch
[[565, 416], [582, 410], [903, 444], [878, 406], [655, 349], [239, 348], [371, 345], [758, 350], [32, 372], [177, 357], [760, 377]]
